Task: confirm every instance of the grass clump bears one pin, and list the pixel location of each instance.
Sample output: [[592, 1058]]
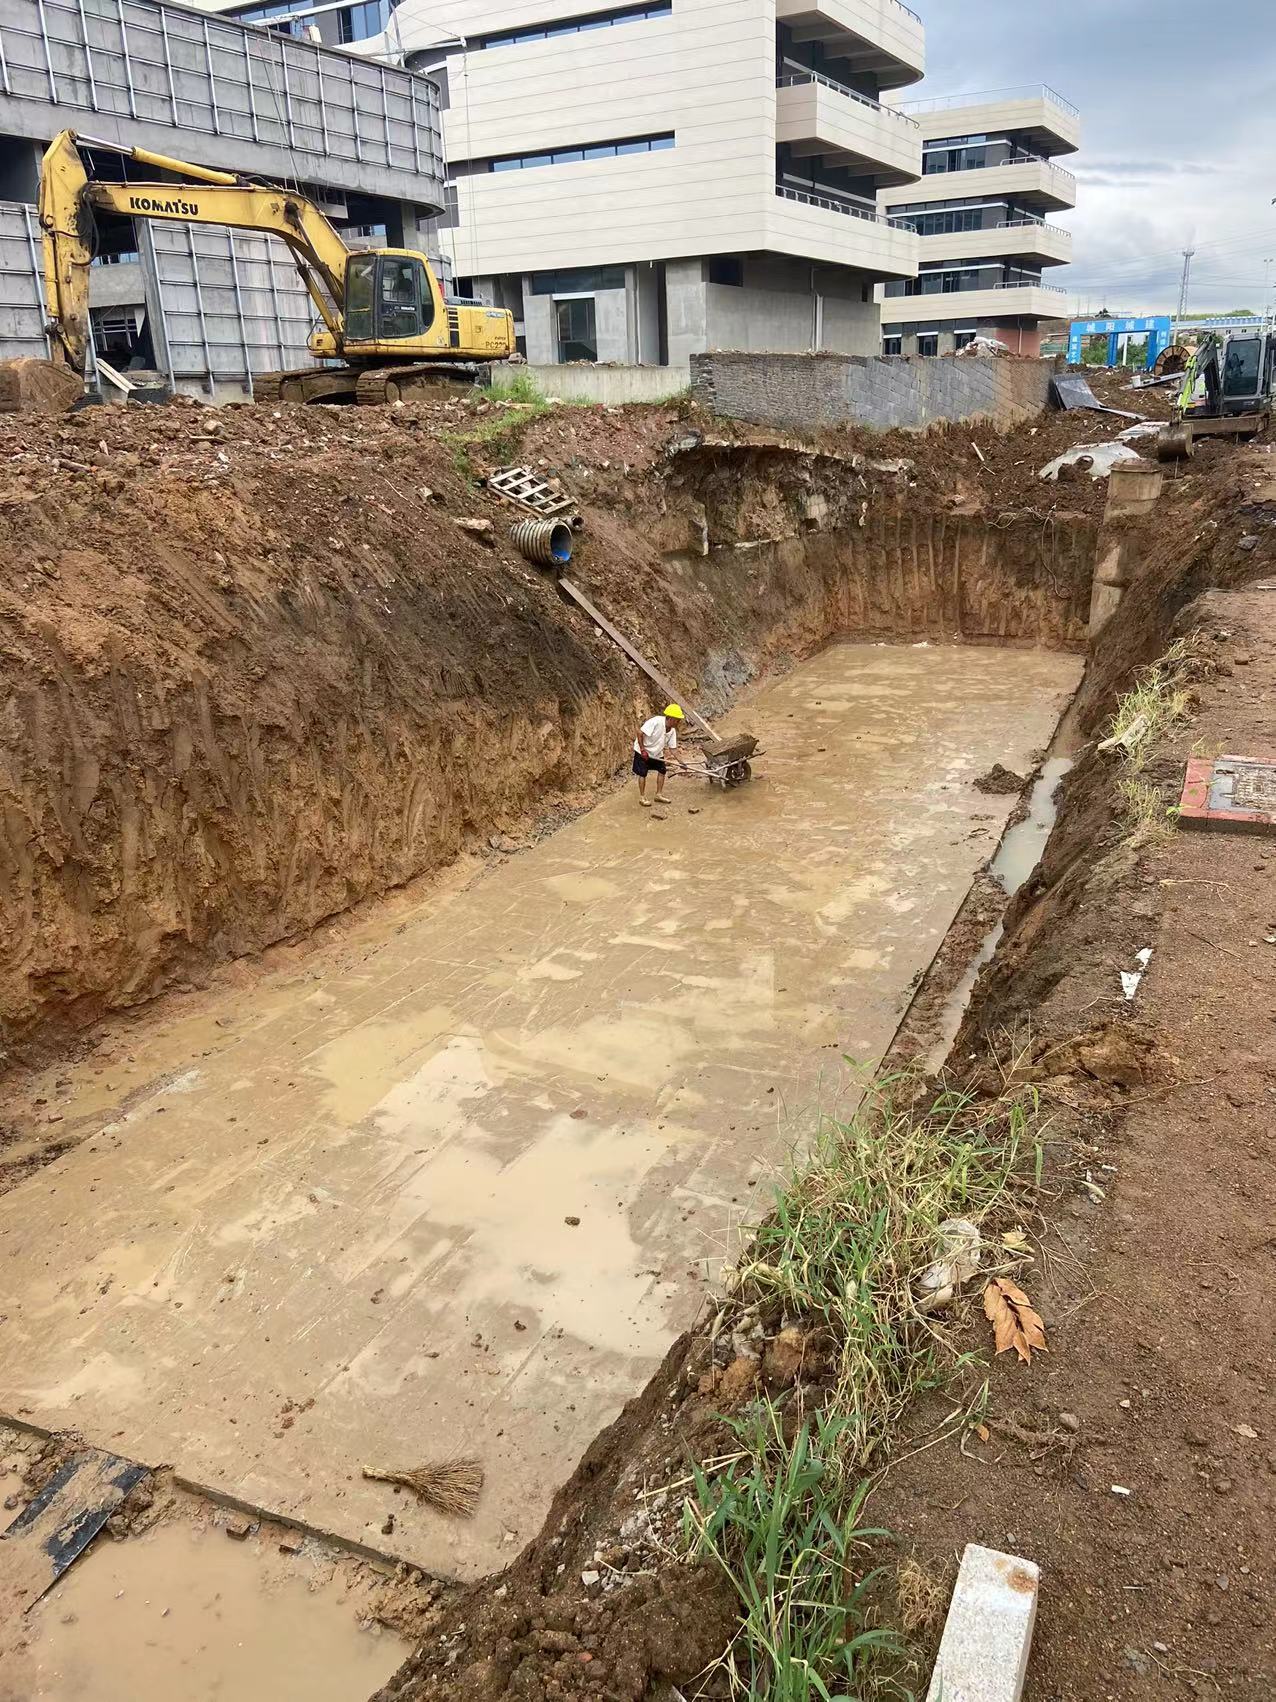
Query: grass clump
[[851, 1231], [1159, 700], [790, 1545], [1147, 820], [519, 387], [497, 433]]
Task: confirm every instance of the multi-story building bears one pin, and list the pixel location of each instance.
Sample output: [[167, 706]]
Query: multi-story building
[[988, 183], [204, 306], [640, 181]]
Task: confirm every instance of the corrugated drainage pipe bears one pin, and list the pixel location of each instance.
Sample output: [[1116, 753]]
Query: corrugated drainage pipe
[[546, 542]]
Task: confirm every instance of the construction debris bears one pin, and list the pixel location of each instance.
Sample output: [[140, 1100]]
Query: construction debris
[[1098, 459], [526, 489]]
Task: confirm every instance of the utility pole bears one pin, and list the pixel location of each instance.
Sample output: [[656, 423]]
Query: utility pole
[[1187, 269]]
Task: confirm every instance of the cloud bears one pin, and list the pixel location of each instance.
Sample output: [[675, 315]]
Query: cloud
[[1175, 135]]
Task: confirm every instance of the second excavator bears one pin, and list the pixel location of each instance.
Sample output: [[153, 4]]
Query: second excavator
[[381, 312]]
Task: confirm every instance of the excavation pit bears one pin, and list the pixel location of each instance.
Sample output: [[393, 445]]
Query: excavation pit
[[456, 1185]]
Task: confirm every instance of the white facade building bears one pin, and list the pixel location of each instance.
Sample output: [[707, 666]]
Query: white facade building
[[642, 181], [989, 183]]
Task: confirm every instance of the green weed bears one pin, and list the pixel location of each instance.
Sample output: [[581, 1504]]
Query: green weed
[[520, 387], [790, 1545], [852, 1229]]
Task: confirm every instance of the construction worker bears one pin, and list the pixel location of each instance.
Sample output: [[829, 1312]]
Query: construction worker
[[657, 738]]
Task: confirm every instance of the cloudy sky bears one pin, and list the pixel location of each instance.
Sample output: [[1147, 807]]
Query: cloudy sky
[[1178, 141]]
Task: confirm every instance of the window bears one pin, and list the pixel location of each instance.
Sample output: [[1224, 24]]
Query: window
[[726, 269], [962, 338], [266, 15], [358, 22], [892, 345], [576, 26], [928, 344], [944, 224], [578, 280], [589, 151], [1240, 366], [399, 304], [360, 272], [577, 332]]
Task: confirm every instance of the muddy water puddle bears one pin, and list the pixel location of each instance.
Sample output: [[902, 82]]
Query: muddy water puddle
[[1017, 856], [457, 1187], [186, 1614]]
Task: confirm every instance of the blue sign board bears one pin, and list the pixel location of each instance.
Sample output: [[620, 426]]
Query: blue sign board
[[1155, 328]]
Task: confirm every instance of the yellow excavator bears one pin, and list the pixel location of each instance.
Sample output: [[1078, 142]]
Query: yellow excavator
[[383, 314]]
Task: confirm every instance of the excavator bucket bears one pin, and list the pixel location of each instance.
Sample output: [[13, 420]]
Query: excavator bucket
[[38, 387], [1174, 442]]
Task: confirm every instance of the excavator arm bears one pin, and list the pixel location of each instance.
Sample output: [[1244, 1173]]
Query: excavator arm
[[68, 198]]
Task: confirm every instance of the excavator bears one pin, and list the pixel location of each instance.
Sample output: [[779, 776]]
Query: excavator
[[382, 314], [1226, 391]]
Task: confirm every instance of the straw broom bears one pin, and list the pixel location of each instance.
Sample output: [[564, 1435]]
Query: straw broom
[[449, 1486]]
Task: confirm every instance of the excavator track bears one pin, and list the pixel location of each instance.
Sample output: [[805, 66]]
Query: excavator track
[[306, 384], [421, 381]]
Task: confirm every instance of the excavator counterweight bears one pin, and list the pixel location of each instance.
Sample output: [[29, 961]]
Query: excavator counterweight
[[381, 311]]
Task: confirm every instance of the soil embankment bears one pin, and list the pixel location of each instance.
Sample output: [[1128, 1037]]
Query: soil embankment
[[1135, 1463]]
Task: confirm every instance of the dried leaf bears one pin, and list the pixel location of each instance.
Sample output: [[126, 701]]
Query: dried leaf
[[983, 1432], [1014, 1321], [1016, 1241]]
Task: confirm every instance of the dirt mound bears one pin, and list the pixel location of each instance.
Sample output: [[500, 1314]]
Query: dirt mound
[[999, 780], [38, 387]]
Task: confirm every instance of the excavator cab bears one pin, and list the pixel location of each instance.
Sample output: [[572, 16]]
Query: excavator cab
[[388, 297]]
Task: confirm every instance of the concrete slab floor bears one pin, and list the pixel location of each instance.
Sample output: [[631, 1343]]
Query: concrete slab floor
[[458, 1193]]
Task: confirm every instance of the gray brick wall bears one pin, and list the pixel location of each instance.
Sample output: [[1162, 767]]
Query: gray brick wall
[[802, 392]]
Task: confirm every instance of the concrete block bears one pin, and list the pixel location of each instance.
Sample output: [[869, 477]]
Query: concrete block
[[983, 1655]]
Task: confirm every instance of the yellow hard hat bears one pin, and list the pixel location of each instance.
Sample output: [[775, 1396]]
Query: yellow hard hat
[[673, 713]]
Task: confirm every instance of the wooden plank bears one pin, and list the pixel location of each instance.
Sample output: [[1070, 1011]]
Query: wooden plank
[[55, 1528], [634, 654]]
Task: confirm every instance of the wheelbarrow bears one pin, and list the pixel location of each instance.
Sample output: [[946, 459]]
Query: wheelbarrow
[[726, 761]]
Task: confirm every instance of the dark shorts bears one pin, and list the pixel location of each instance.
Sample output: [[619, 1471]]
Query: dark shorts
[[645, 765]]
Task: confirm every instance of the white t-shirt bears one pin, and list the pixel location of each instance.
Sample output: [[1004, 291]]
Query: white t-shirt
[[654, 737]]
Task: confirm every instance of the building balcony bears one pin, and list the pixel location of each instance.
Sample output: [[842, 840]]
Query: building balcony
[[1047, 123], [883, 39], [1026, 239], [1030, 181], [816, 227], [970, 307], [815, 115]]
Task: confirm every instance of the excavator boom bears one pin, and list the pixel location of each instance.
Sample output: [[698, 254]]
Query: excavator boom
[[68, 198], [377, 307]]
